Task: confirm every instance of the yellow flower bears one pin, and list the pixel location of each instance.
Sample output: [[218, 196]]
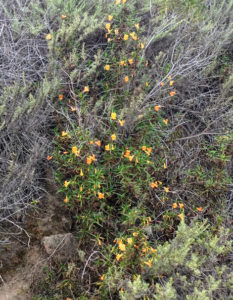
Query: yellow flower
[[81, 172], [181, 205], [122, 246], [63, 16], [126, 37], [174, 205], [154, 185], [107, 148], [157, 107], [101, 195], [164, 166], [113, 116], [129, 241], [181, 216], [166, 189], [171, 82], [118, 256], [135, 234], [116, 31], [64, 133], [137, 26], [72, 108], [66, 183], [108, 26], [127, 153], [113, 137], [169, 77], [48, 37], [86, 89], [107, 67], [133, 36], [118, 2], [152, 250], [123, 1], [81, 188], [147, 84], [75, 150], [131, 157], [99, 242], [122, 122], [142, 46], [66, 200], [112, 147], [60, 96], [165, 121], [126, 79], [149, 263], [130, 61], [110, 18], [122, 63]]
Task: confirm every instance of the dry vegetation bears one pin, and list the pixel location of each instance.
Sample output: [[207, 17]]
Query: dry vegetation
[[130, 103]]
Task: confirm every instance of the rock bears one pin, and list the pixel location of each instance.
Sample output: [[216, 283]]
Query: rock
[[61, 247]]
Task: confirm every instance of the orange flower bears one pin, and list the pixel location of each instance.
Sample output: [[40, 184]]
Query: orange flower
[[181, 205], [127, 154], [154, 185], [126, 79], [63, 16], [113, 116], [152, 250], [86, 89], [181, 216], [130, 61], [113, 137], [102, 277], [122, 122], [143, 148], [66, 200], [172, 93], [122, 63], [165, 121], [147, 63], [162, 83], [91, 142], [174, 205], [135, 234], [81, 188], [157, 107], [89, 160], [110, 18], [107, 67], [49, 157], [60, 96], [199, 208], [148, 263], [98, 143], [126, 37], [101, 195], [148, 151], [99, 242], [65, 152]]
